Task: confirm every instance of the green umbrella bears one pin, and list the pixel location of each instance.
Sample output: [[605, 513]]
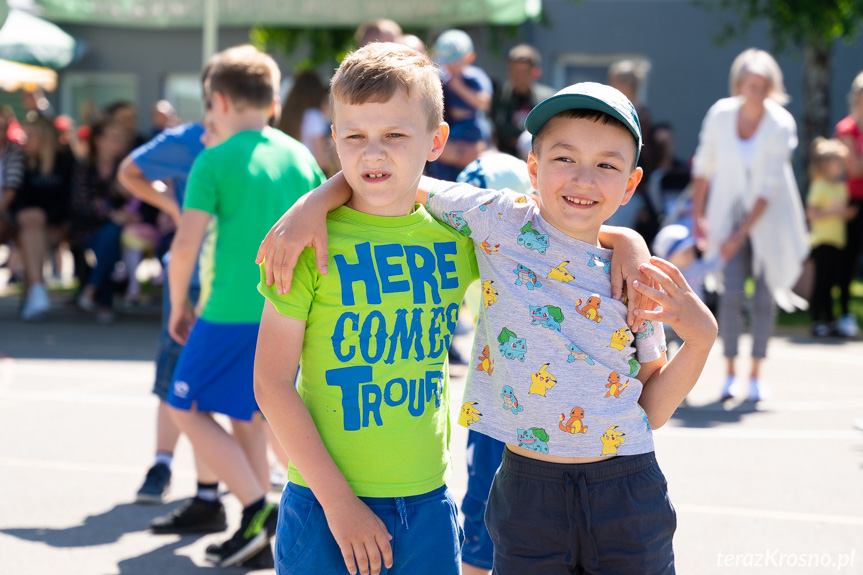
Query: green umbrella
[[28, 39]]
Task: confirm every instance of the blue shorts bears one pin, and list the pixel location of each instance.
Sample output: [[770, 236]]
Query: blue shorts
[[611, 517], [216, 370], [427, 538], [483, 458], [169, 350]]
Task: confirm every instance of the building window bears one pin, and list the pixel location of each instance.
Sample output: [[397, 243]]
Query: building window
[[85, 95], [184, 92], [573, 68]]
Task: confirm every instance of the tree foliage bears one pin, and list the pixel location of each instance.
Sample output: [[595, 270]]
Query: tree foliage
[[330, 45], [795, 22]]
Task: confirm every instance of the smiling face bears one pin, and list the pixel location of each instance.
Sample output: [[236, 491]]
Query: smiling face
[[583, 172], [383, 148]]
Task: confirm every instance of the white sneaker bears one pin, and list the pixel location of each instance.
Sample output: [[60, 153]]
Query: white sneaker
[[847, 326], [730, 388], [38, 303], [757, 391]]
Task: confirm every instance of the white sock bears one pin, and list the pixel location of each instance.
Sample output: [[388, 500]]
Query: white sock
[[166, 458], [729, 383], [131, 259]]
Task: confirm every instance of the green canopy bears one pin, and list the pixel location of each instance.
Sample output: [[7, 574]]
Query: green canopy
[[291, 13], [27, 39]]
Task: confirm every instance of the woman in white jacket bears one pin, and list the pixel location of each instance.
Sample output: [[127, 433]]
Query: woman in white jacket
[[746, 204]]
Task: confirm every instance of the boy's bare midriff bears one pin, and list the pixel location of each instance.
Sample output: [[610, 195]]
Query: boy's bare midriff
[[551, 458]]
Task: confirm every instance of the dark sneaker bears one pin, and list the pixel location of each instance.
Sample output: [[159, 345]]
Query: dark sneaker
[[195, 516], [156, 485], [252, 536], [263, 559]]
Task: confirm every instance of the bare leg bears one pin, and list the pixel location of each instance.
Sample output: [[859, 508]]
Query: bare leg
[[756, 368], [167, 432], [468, 569], [729, 362], [252, 437], [33, 241], [221, 453]]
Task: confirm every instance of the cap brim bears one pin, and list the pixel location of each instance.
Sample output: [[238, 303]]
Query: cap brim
[[547, 109]]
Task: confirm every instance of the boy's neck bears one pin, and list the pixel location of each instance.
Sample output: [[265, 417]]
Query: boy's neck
[[397, 210], [247, 120]]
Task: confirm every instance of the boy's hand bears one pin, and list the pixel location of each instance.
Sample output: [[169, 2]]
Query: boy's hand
[[362, 537], [298, 228], [682, 310], [625, 268], [181, 322]]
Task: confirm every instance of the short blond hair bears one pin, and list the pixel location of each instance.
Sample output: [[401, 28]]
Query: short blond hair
[[245, 75], [373, 73], [856, 90], [760, 63]]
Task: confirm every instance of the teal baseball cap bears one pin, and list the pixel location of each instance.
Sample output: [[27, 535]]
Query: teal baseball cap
[[587, 96]]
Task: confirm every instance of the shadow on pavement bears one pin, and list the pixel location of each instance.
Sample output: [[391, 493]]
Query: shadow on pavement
[[713, 414], [100, 529], [165, 560]]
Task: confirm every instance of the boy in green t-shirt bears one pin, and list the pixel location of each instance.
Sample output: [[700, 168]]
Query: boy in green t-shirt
[[367, 428], [241, 185]]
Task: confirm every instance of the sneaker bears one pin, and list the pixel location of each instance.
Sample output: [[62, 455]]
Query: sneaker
[[195, 516], [252, 536], [85, 303], [38, 303], [156, 485], [847, 326], [729, 388], [756, 393], [263, 559], [821, 329]]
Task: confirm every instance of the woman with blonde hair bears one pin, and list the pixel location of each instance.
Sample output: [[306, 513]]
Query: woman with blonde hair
[[747, 208], [41, 207], [849, 131]]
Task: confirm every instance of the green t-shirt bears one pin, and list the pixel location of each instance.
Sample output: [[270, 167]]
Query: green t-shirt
[[247, 183], [374, 361]]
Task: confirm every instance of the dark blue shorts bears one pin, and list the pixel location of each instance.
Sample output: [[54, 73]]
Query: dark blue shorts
[[169, 350], [216, 370], [483, 455], [612, 517], [426, 539]]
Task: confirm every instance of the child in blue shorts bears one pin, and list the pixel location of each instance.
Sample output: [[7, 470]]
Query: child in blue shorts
[[570, 388], [240, 185]]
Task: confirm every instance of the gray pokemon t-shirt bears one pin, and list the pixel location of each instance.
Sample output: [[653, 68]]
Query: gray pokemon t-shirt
[[555, 365]]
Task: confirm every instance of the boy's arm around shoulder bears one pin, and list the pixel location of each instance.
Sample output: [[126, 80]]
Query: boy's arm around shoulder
[[360, 534], [666, 383]]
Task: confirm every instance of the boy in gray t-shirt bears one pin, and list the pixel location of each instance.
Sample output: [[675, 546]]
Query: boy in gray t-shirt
[[562, 379]]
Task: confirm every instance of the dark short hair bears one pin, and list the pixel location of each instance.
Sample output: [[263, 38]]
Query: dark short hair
[[244, 74], [585, 114]]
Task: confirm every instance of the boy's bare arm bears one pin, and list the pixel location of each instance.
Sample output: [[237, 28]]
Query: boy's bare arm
[[303, 225], [184, 254], [360, 534], [630, 252], [666, 383], [156, 194]]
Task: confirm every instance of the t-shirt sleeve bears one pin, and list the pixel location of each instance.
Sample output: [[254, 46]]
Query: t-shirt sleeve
[[167, 156], [649, 341], [471, 211], [297, 302], [202, 191]]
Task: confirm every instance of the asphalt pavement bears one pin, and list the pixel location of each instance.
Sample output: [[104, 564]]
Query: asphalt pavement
[[772, 488]]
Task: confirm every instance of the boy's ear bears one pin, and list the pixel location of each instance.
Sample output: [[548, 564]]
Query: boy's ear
[[441, 135], [220, 102], [532, 169], [631, 184]]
